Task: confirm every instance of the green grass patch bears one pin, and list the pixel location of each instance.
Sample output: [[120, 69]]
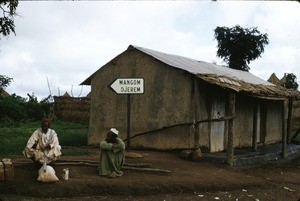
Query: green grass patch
[[14, 138]]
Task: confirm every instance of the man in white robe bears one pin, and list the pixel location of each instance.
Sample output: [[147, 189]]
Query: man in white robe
[[43, 145], [112, 155]]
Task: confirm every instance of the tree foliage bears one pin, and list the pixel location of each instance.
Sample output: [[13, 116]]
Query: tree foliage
[[238, 46], [7, 13], [15, 109], [4, 82], [291, 81]]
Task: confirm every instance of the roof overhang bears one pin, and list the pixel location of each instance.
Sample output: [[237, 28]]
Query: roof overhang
[[271, 92]]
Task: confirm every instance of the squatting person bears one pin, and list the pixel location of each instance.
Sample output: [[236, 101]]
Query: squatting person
[[43, 145], [112, 155]]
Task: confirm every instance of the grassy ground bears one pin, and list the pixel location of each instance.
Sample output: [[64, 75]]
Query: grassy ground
[[14, 138]]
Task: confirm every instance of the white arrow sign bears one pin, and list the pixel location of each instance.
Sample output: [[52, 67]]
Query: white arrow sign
[[128, 86]]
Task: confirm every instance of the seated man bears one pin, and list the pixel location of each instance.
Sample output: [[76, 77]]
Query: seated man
[[112, 155], [43, 146]]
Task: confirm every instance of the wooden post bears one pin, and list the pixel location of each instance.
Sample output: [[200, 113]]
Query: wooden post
[[254, 137], [231, 111], [284, 129], [194, 106], [289, 120], [128, 122]]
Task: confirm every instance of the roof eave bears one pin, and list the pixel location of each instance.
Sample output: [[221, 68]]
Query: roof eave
[[87, 81], [260, 91]]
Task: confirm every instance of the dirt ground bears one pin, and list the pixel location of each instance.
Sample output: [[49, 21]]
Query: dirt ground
[[186, 180]]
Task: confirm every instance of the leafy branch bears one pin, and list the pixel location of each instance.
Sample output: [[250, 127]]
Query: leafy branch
[[7, 25]]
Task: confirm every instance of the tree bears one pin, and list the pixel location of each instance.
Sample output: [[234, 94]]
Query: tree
[[4, 82], [8, 8], [291, 81], [238, 46]]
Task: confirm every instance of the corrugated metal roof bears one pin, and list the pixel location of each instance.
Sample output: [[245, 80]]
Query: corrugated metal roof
[[200, 67], [237, 80]]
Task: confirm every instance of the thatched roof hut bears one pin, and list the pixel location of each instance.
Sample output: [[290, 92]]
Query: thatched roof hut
[[66, 94], [274, 79]]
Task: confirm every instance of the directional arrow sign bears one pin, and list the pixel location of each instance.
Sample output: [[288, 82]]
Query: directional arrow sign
[[128, 86]]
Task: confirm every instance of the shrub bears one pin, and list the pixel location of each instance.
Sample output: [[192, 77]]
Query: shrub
[[15, 109]]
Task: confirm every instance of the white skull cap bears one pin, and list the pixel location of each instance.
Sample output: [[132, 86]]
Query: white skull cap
[[115, 131]]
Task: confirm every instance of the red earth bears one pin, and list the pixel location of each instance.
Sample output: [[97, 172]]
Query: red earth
[[169, 178]]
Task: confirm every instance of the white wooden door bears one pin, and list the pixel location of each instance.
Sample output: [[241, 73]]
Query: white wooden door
[[217, 128]]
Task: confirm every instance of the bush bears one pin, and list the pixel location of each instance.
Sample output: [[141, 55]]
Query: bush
[[15, 109]]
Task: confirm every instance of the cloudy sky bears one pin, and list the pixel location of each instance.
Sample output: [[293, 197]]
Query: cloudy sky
[[61, 43]]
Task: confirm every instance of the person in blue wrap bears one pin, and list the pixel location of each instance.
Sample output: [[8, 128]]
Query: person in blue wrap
[[112, 155]]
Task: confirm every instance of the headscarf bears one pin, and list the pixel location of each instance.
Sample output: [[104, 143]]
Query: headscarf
[[46, 120], [115, 131]]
